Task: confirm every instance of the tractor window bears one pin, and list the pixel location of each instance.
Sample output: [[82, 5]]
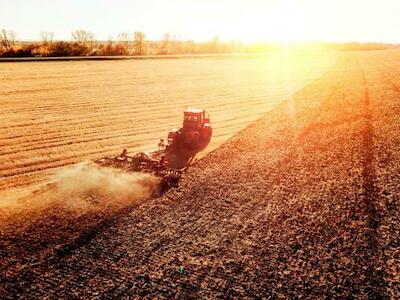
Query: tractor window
[[191, 118]]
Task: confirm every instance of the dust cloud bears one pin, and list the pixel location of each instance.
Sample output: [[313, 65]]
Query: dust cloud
[[82, 188], [89, 186]]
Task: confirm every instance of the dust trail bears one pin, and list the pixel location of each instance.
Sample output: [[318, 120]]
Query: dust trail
[[87, 186], [81, 188]]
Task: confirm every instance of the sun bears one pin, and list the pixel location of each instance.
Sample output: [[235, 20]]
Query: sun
[[283, 24], [288, 26]]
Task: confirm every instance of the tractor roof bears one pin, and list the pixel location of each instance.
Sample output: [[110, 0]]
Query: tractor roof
[[193, 111]]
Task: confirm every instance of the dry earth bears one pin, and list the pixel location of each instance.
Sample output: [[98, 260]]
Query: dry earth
[[302, 203]]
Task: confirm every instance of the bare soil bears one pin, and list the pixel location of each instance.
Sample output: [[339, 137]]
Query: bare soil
[[303, 203]]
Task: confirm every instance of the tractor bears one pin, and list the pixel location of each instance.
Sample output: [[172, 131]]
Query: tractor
[[184, 143], [174, 157]]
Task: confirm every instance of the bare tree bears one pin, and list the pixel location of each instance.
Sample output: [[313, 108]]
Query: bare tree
[[165, 44], [7, 39], [139, 43], [84, 38], [177, 47], [47, 38], [81, 36], [126, 39], [173, 44]]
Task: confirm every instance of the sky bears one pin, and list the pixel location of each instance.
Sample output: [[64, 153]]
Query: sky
[[201, 20]]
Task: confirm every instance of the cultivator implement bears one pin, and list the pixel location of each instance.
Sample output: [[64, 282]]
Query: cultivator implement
[[147, 163], [172, 159]]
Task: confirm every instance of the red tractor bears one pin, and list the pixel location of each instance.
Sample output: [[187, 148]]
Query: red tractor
[[170, 160], [184, 143]]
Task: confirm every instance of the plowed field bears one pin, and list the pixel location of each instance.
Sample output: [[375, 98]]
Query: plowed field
[[304, 202], [58, 113]]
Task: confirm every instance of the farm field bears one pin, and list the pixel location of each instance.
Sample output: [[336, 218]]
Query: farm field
[[58, 113], [303, 202]]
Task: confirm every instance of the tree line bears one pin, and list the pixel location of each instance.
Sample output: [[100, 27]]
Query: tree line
[[84, 43]]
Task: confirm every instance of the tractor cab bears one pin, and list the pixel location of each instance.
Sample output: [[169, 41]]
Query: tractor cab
[[195, 118]]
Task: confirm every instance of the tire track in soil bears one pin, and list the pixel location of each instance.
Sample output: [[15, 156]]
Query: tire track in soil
[[387, 75], [373, 275]]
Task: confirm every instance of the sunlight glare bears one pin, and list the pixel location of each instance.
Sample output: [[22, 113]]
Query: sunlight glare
[[283, 23]]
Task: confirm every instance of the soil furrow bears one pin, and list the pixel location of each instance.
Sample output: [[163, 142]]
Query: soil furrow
[[374, 274]]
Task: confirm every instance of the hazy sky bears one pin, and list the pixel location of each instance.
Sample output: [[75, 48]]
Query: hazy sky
[[247, 20]]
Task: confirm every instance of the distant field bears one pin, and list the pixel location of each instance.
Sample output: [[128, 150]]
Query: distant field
[[55, 114]]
